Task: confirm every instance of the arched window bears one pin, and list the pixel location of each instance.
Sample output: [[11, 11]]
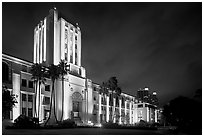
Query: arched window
[[5, 72]]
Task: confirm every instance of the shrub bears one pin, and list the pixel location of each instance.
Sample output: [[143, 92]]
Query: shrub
[[110, 125], [25, 122], [68, 123]]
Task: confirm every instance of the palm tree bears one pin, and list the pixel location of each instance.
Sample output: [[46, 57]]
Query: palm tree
[[38, 75], [53, 73], [113, 86], [63, 70]]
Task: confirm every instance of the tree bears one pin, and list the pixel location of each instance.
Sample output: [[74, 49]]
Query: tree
[[112, 85], [8, 101], [63, 70], [184, 112], [53, 73], [38, 76]]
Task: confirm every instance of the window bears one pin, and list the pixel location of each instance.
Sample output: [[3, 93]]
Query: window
[[46, 114], [75, 37], [75, 46], [24, 111], [95, 107], [140, 106], [65, 56], [46, 101], [65, 47], [94, 98], [30, 84], [5, 72], [24, 83], [75, 58], [24, 97], [24, 68], [94, 88], [30, 98], [71, 59], [47, 87], [30, 112]]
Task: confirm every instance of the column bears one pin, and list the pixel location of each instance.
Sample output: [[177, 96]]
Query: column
[[136, 116], [99, 111], [41, 107], [130, 113], [114, 116], [125, 112], [120, 111], [107, 109], [16, 91], [155, 115], [147, 114]]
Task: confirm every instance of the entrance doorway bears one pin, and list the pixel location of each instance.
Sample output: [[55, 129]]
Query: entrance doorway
[[76, 109], [76, 105]]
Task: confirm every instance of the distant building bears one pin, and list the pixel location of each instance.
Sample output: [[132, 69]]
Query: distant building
[[56, 39], [147, 112], [146, 96]]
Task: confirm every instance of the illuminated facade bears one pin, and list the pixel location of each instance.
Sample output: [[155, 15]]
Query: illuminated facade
[[56, 39]]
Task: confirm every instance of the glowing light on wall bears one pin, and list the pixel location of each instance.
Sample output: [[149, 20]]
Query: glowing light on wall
[[45, 32], [147, 114], [107, 109], [16, 91], [120, 111], [34, 56], [99, 104]]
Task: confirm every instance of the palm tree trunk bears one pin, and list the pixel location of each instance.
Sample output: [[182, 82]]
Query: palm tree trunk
[[62, 98], [39, 100], [35, 101], [54, 104], [50, 111]]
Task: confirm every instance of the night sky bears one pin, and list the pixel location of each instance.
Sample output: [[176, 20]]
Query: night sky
[[158, 45]]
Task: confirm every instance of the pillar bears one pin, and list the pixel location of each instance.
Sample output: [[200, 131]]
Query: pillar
[[130, 112], [147, 114], [120, 111], [16, 91], [114, 118], [99, 109], [155, 115], [107, 109], [125, 111]]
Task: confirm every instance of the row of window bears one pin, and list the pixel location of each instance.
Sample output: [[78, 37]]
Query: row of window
[[31, 84], [28, 98], [24, 83], [30, 111]]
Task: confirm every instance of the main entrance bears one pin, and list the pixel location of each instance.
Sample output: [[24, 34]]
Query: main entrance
[[76, 105]]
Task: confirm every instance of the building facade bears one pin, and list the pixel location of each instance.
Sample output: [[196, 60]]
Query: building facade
[[56, 39]]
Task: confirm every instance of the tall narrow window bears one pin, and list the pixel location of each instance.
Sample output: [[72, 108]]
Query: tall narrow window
[[24, 111], [24, 82], [30, 98], [30, 84], [24, 97], [5, 72], [30, 112]]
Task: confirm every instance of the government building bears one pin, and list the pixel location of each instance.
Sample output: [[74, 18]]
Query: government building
[[56, 39]]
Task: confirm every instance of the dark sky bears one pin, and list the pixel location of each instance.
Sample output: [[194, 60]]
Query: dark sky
[[158, 45]]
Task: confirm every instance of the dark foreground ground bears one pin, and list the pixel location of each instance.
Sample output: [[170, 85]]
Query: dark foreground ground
[[85, 131]]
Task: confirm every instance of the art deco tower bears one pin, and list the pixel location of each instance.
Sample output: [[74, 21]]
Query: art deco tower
[[56, 39]]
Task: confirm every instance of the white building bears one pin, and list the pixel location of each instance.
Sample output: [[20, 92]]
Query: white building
[[56, 39]]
